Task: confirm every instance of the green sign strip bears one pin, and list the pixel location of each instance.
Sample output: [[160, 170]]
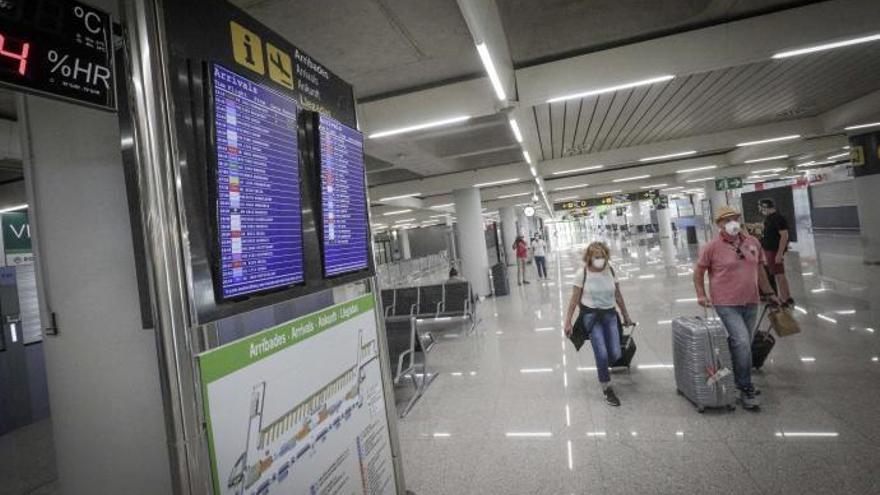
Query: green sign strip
[[222, 361], [16, 232]]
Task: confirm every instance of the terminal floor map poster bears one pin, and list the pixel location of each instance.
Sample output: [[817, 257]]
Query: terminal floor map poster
[[299, 408]]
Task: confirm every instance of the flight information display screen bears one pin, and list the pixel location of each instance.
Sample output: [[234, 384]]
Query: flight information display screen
[[259, 216], [343, 198]]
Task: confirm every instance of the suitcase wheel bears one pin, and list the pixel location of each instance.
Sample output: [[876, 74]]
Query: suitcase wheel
[[701, 409]]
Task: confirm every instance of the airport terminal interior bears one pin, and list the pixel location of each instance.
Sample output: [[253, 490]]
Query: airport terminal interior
[[436, 247]]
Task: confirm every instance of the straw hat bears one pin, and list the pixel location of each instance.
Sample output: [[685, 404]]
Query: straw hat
[[724, 213]]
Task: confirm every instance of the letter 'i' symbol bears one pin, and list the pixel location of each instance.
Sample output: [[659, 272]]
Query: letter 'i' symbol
[[247, 48]]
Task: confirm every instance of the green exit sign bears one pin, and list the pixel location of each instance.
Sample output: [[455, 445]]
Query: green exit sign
[[726, 183]]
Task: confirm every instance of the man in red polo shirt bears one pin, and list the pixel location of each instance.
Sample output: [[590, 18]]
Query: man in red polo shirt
[[734, 261]]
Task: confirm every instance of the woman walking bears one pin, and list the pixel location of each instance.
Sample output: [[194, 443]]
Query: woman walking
[[597, 291]]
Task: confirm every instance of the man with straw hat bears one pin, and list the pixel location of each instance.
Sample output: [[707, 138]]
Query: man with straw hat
[[734, 261]]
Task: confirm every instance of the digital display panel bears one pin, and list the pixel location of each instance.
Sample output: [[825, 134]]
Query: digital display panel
[[259, 217], [59, 48], [343, 198]]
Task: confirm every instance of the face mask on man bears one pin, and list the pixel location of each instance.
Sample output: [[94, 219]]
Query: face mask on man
[[598, 263], [732, 227]]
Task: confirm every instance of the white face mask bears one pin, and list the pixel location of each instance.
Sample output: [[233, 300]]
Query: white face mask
[[732, 228], [598, 263]]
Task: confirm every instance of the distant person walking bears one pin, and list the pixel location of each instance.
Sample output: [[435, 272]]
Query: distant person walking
[[522, 255], [775, 244], [733, 261], [539, 250], [597, 292]]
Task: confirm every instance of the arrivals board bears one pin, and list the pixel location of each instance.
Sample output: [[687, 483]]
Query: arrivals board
[[60, 48], [259, 213], [345, 231]]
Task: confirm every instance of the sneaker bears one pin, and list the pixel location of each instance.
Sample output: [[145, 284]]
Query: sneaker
[[610, 397], [749, 400]]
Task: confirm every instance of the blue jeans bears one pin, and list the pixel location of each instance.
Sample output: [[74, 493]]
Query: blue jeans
[[541, 265], [605, 339], [739, 322]]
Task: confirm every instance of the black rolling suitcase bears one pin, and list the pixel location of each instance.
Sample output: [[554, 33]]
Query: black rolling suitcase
[[762, 342], [627, 346]]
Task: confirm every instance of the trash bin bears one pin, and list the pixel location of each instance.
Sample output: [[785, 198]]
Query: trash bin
[[692, 235], [500, 282]]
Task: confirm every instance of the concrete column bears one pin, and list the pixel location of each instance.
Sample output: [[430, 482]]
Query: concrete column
[[102, 367], [508, 232], [716, 198], [403, 239], [867, 183], [525, 226], [667, 244], [638, 216], [472, 240]]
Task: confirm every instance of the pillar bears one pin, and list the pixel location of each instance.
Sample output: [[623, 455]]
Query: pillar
[[638, 215], [472, 240], [667, 244], [867, 183], [403, 239], [717, 199], [508, 232], [524, 228]]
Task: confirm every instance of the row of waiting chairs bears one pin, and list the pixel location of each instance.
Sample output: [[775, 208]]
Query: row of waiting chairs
[[449, 299]]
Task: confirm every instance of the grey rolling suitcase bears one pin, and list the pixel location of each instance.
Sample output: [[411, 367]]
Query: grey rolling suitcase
[[703, 367]]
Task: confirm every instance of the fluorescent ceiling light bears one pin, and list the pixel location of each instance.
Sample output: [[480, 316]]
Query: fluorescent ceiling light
[[827, 46], [566, 198], [839, 155], [611, 89], [771, 140], [402, 196], [676, 188], [566, 188], [605, 193], [397, 212], [496, 182], [812, 163], [537, 434], [765, 176], [671, 155], [582, 169], [515, 127], [697, 169], [701, 179], [14, 208], [767, 159], [768, 171], [505, 196], [444, 205], [637, 177], [807, 434], [419, 127], [405, 220], [527, 156], [483, 50], [533, 171], [654, 186]]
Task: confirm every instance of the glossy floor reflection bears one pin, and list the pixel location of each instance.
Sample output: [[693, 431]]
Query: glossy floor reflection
[[516, 411]]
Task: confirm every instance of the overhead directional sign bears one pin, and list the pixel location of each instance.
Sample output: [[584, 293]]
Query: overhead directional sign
[[725, 183], [574, 204], [59, 48]]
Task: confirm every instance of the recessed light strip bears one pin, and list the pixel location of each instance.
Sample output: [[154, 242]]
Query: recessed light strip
[[402, 196], [637, 177], [582, 169], [419, 127], [397, 212], [767, 159], [516, 133], [483, 50], [497, 182], [770, 140], [671, 155], [611, 89], [827, 46], [861, 126], [697, 169]]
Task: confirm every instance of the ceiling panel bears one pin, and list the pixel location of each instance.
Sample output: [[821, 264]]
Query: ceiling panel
[[391, 175], [728, 98], [380, 46], [549, 29]]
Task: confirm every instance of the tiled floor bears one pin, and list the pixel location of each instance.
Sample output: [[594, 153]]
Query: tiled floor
[[515, 410]]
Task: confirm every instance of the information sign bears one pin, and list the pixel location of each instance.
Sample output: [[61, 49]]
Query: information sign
[[300, 408], [649, 195], [59, 48], [259, 213], [343, 199], [725, 183]]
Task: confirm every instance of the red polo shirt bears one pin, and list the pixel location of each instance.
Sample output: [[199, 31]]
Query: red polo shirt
[[733, 281]]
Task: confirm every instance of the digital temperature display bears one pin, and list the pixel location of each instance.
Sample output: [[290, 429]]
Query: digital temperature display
[[59, 48]]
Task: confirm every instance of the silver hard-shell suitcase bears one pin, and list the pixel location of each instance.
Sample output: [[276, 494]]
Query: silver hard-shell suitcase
[[703, 366]]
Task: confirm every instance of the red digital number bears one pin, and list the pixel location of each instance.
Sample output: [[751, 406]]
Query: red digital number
[[21, 57]]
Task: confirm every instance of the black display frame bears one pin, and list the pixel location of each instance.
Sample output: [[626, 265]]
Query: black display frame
[[314, 125], [213, 178]]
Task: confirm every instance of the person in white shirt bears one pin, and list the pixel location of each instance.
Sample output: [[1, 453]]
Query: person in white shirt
[[539, 251], [597, 292]]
